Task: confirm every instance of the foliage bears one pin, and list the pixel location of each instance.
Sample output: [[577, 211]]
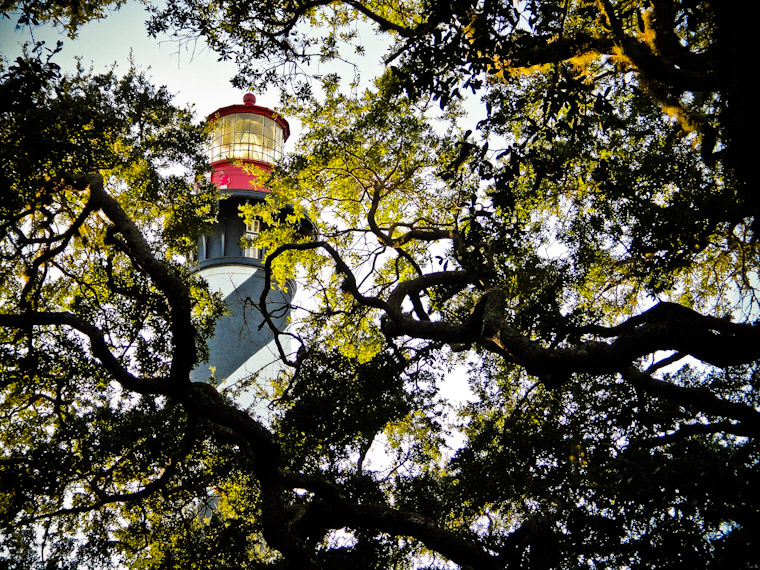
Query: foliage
[[88, 210], [584, 256], [69, 15]]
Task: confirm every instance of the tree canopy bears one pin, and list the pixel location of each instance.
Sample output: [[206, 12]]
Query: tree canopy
[[584, 256]]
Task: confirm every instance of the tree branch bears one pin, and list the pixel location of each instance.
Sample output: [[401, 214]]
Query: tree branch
[[700, 398], [337, 510], [166, 280], [687, 431], [98, 344]]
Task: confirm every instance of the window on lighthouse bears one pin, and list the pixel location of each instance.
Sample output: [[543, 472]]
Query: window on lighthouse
[[252, 230]]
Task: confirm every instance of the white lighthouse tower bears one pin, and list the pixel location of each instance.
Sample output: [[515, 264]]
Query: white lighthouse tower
[[242, 135]]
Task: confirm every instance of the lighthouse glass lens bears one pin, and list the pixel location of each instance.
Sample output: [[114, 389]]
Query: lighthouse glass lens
[[245, 136]]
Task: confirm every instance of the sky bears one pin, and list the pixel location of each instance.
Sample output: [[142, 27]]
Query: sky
[[192, 73]]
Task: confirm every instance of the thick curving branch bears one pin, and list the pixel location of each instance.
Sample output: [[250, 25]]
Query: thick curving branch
[[610, 350], [335, 510], [687, 431], [667, 326], [100, 348], [700, 398], [204, 401], [165, 278]]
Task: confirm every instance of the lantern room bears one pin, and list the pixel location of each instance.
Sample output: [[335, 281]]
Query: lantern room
[[243, 135]]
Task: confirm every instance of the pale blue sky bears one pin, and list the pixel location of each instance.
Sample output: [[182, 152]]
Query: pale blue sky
[[193, 75]]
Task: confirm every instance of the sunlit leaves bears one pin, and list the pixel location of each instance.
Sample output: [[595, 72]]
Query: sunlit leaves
[[74, 444], [364, 180]]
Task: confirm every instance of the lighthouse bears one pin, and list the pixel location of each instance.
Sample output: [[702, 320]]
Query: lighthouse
[[242, 136]]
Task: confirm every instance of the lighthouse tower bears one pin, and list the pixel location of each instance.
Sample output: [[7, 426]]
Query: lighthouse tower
[[242, 136]]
